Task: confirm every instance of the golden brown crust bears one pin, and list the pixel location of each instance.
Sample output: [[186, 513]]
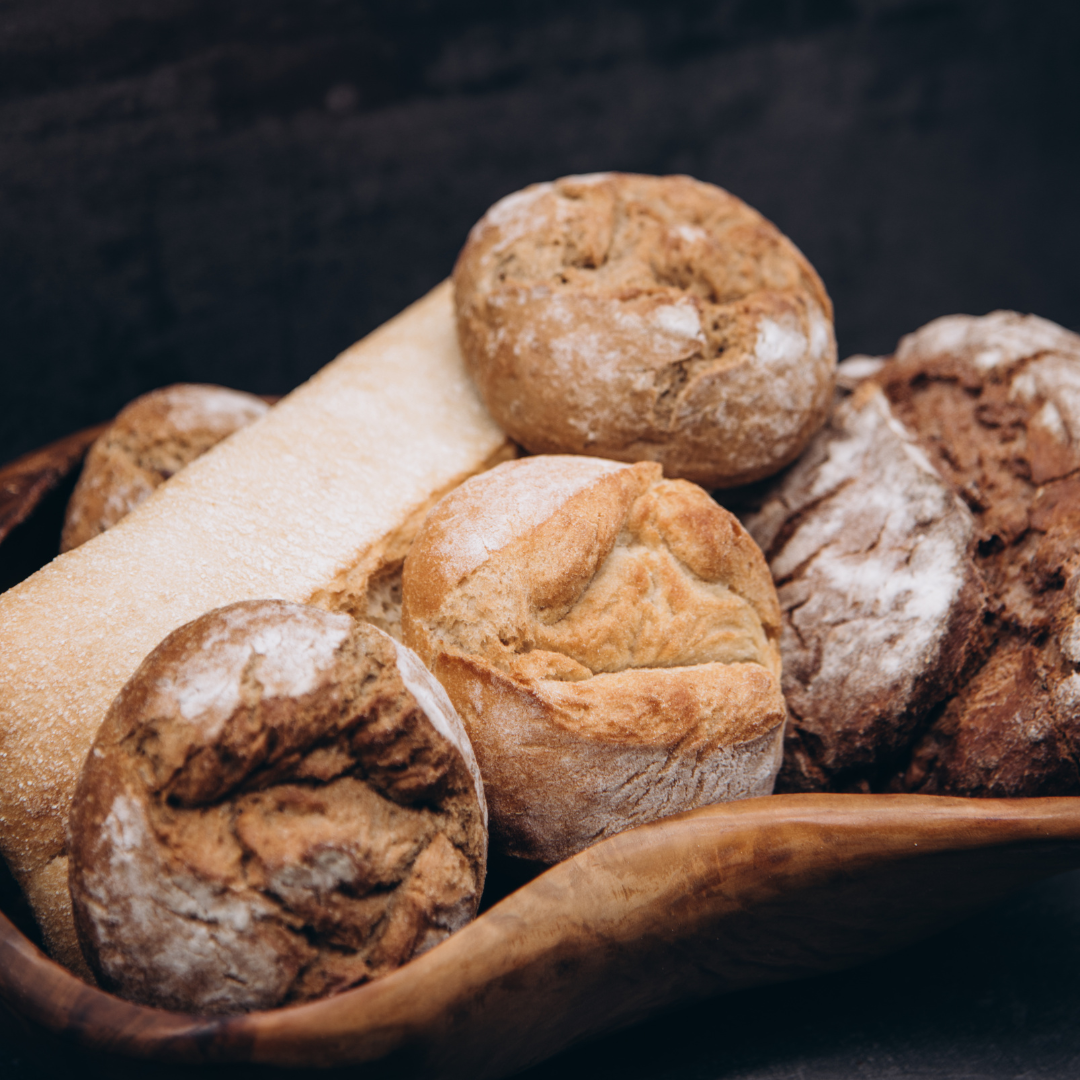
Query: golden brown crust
[[646, 318], [151, 438], [280, 804], [610, 639]]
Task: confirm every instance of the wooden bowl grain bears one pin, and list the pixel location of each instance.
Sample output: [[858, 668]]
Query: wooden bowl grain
[[727, 897]]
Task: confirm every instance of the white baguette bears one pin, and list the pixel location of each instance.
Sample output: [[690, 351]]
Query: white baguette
[[306, 504]]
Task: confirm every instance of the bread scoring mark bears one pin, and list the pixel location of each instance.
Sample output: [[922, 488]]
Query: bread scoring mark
[[506, 502]]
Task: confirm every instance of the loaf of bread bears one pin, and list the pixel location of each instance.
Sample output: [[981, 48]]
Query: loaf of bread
[[646, 318], [610, 639], [311, 503], [927, 553], [280, 804], [152, 438]]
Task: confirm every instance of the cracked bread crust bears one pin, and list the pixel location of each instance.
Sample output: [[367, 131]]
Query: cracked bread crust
[[984, 696], [646, 318], [869, 550], [151, 438], [995, 402], [610, 639], [280, 804]]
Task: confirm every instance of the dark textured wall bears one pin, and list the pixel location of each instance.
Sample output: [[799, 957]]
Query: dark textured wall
[[233, 192]]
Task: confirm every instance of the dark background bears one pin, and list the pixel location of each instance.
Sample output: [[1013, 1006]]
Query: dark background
[[235, 191]]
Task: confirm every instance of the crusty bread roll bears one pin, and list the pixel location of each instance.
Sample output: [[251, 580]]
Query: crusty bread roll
[[280, 804], [310, 503], [871, 554], [610, 639], [646, 318], [927, 550], [152, 438]]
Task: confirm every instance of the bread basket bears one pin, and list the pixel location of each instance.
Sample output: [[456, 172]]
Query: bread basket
[[724, 898]]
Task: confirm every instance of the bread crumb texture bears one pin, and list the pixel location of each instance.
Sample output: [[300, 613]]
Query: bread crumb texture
[[646, 318], [280, 804], [151, 439], [610, 639], [927, 552]]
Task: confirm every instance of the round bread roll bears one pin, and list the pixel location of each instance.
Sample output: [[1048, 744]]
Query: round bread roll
[[927, 553], [280, 804], [870, 551], [151, 438], [646, 318], [610, 639]]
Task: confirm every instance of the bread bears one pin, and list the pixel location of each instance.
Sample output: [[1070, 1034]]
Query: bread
[[281, 803], [927, 552], [646, 318], [310, 503], [870, 552], [153, 437], [996, 404], [610, 640]]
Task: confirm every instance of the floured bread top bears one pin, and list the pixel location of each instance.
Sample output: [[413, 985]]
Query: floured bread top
[[646, 318], [152, 438], [565, 568], [995, 401], [306, 501], [870, 553], [610, 639], [280, 804], [926, 550]]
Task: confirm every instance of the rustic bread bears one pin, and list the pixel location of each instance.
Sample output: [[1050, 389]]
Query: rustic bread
[[995, 402], [152, 438], [310, 503], [869, 550], [610, 639], [281, 803], [927, 553], [646, 318]]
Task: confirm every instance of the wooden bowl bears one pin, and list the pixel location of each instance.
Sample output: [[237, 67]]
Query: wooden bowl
[[730, 896]]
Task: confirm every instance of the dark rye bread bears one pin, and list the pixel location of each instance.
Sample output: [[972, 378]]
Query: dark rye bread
[[996, 405], [948, 670], [281, 803]]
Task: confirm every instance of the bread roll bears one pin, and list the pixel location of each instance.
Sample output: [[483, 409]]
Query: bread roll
[[307, 504], [152, 438], [280, 804], [870, 551], [927, 550], [646, 318], [610, 639]]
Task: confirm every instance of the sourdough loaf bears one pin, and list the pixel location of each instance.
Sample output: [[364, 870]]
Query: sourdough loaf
[[311, 503], [609, 638]]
